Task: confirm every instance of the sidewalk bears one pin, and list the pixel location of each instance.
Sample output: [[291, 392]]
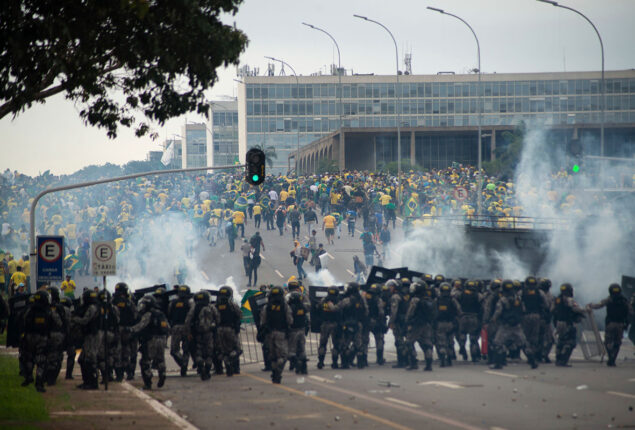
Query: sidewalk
[[123, 406]]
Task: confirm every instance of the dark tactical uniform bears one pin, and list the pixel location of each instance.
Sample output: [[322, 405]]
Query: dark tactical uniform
[[276, 320], [489, 306], [447, 310], [330, 327], [92, 339], [566, 314], [39, 321], [420, 320], [375, 324], [618, 313], [153, 329], [177, 312], [126, 360], [470, 321], [354, 311], [509, 336], [200, 323], [58, 337], [110, 329], [299, 329], [74, 336], [397, 322], [228, 330], [546, 327], [536, 305]]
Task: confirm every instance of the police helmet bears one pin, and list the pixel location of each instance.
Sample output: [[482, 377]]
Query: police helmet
[[295, 296], [55, 294], [445, 289], [517, 285], [104, 296], [275, 293], [458, 284], [225, 292], [615, 289], [352, 288], [65, 301], [531, 282], [147, 302], [419, 288], [293, 285], [508, 286], [89, 297], [439, 279], [495, 285], [471, 285], [428, 278], [183, 291], [121, 288], [160, 292], [392, 284], [333, 291], [201, 298], [545, 284], [373, 289], [42, 298], [566, 289]]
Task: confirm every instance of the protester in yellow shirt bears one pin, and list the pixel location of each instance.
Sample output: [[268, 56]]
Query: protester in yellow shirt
[[68, 287], [19, 277], [328, 225], [239, 222], [257, 215]]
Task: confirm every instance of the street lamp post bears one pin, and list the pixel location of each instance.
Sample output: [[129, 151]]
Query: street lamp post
[[602, 104], [297, 96], [480, 108], [398, 91], [339, 73]]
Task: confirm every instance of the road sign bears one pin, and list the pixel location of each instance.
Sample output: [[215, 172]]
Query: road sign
[[103, 258], [50, 258], [460, 194]]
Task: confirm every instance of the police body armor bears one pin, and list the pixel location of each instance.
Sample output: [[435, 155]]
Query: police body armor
[[424, 313], [469, 302], [59, 308], [355, 312], [563, 312], [512, 311], [179, 309], [533, 301], [126, 316], [299, 314], [445, 309], [327, 314], [227, 316], [93, 326], [112, 325], [276, 316], [373, 308], [402, 309], [38, 320], [158, 325], [617, 310]]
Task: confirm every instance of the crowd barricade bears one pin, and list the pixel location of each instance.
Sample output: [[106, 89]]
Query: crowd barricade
[[589, 338], [489, 221]]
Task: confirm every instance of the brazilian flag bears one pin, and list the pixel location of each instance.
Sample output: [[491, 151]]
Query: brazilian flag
[[245, 307], [240, 204], [411, 208]]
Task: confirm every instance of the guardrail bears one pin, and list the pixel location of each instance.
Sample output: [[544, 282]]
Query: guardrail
[[495, 222]]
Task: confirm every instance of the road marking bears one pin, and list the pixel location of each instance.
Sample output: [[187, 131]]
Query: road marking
[[350, 271], [617, 393], [320, 379], [330, 256], [90, 413], [334, 404], [508, 375], [279, 274], [414, 411], [445, 384], [401, 402], [631, 380], [160, 408], [204, 275]]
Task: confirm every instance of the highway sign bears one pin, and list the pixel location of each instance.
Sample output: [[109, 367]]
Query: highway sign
[[460, 194], [50, 258], [103, 258]]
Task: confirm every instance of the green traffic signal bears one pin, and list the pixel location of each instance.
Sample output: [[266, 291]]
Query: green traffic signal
[[576, 168], [255, 178]]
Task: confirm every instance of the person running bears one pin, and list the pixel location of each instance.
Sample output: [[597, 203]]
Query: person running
[[328, 226]]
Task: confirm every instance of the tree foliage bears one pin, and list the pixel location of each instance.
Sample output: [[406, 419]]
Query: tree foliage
[[507, 154], [326, 165], [116, 59], [270, 153], [392, 167]]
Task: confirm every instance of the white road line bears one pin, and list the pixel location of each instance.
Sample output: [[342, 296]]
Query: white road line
[[508, 375], [330, 256], [617, 393], [350, 271], [204, 275], [279, 274], [445, 384], [631, 380], [320, 379], [401, 402], [91, 413], [160, 408]]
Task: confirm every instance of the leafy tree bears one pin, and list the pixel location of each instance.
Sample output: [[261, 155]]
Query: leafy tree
[[94, 172], [115, 58], [392, 167], [507, 154], [140, 166], [270, 153], [326, 165]]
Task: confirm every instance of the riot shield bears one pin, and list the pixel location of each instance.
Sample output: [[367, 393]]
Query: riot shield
[[17, 306], [256, 303], [316, 294]]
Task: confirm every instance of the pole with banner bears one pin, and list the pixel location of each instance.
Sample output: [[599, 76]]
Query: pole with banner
[[104, 263]]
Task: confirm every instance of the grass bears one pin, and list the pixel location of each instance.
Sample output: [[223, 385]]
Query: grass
[[22, 407]]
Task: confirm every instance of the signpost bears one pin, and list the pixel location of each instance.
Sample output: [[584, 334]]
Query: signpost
[[103, 263], [50, 258], [460, 194]]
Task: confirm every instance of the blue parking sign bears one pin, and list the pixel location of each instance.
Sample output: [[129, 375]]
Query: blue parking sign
[[50, 258]]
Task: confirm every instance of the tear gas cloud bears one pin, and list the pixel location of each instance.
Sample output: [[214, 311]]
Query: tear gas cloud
[[590, 246]]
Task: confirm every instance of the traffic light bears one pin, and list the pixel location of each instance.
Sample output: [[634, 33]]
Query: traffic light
[[576, 155], [255, 166]]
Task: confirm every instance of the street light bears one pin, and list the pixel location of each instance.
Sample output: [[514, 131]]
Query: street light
[[397, 90], [339, 68], [480, 107], [602, 105], [297, 96]]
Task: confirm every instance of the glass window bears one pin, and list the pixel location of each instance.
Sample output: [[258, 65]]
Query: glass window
[[443, 89], [250, 92], [428, 89], [435, 89]]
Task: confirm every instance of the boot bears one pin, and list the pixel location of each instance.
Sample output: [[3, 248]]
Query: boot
[[161, 382], [130, 373], [365, 360], [442, 360], [291, 363], [39, 385], [532, 361], [448, 360], [119, 373], [27, 381], [147, 382], [380, 357], [236, 365], [178, 361], [218, 366], [345, 361], [229, 371], [70, 364], [400, 361], [463, 352], [51, 379], [546, 359], [304, 370], [413, 363], [334, 363], [184, 371], [428, 367], [320, 363], [276, 377], [360, 361], [498, 360]]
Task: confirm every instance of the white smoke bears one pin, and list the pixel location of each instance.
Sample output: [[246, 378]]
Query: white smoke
[[322, 278]]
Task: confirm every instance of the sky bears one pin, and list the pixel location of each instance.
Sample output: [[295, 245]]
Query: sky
[[515, 36]]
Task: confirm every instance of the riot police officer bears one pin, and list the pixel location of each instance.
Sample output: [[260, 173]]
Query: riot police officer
[[89, 321], [299, 330], [153, 329], [331, 318], [618, 313], [566, 314], [489, 306], [199, 325], [397, 323], [509, 336], [276, 320], [177, 312], [228, 330], [375, 324], [354, 312], [546, 328], [536, 305], [470, 321], [419, 320], [447, 311], [125, 361], [58, 337]]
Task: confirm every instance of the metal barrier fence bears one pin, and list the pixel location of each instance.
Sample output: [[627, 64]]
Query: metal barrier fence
[[496, 222], [589, 338], [252, 349]]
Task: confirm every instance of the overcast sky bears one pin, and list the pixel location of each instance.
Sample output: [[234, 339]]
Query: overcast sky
[[515, 36]]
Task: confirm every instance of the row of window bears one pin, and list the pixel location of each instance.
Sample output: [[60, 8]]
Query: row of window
[[443, 106], [439, 89]]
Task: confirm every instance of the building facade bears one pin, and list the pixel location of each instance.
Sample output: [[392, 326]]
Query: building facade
[[223, 123], [195, 145], [276, 111]]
